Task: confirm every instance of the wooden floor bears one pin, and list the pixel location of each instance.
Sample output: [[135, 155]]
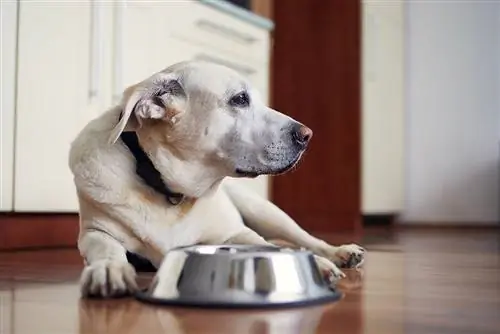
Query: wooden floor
[[414, 281]]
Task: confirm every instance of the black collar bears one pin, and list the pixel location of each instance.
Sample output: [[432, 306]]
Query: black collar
[[146, 170]]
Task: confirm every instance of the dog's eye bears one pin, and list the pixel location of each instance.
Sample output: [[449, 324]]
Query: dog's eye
[[240, 100]]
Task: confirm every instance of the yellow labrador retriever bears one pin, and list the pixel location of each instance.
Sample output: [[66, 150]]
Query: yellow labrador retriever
[[154, 172]]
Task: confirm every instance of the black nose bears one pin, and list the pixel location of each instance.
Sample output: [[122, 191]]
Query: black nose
[[301, 135]]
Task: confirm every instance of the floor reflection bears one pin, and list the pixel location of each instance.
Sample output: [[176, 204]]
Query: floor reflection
[[131, 317]]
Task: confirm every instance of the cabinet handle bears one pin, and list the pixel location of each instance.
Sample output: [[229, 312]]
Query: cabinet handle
[[118, 50], [95, 50], [225, 31], [246, 70]]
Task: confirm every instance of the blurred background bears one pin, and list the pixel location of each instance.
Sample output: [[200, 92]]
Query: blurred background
[[402, 96]]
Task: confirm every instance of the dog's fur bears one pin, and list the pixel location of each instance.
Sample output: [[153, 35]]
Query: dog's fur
[[201, 125]]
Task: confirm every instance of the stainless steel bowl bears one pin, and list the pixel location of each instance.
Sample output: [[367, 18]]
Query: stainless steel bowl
[[238, 276]]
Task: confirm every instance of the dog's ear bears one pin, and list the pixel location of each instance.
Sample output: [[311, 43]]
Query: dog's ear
[[162, 99]]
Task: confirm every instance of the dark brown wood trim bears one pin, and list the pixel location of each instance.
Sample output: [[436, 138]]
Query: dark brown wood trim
[[448, 226], [316, 79], [25, 231]]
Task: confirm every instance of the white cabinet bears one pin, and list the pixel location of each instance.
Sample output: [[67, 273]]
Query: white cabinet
[[7, 114], [153, 35], [383, 107], [73, 61], [58, 91]]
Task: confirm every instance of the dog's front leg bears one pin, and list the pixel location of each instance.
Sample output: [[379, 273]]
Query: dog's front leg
[[271, 222], [107, 272], [249, 237]]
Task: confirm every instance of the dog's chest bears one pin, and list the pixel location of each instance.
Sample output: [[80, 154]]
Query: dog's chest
[[163, 226], [160, 227], [163, 237]]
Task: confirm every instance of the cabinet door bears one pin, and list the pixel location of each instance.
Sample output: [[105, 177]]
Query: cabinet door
[[148, 40], [54, 100], [8, 77]]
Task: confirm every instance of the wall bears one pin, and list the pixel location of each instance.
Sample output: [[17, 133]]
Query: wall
[[453, 112]]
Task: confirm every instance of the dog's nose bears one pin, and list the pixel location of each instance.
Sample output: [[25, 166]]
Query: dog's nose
[[302, 135]]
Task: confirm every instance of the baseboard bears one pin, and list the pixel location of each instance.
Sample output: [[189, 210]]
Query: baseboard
[[379, 219], [465, 225], [40, 230], [393, 219]]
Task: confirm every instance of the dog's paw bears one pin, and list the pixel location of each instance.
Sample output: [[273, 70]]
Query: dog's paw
[[349, 256], [331, 273], [108, 279]]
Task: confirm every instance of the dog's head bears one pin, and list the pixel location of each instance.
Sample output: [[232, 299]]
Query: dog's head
[[209, 113]]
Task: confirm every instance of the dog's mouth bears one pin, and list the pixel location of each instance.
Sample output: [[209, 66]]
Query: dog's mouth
[[244, 173], [254, 173]]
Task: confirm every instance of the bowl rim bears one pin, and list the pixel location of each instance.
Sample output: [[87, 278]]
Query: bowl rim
[[238, 249]]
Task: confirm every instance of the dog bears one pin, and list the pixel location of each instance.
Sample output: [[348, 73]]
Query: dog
[[158, 170]]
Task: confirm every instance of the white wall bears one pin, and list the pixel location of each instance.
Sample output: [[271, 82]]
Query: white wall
[[453, 111]]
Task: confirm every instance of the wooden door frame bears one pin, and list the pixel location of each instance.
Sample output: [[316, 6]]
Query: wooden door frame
[[314, 40]]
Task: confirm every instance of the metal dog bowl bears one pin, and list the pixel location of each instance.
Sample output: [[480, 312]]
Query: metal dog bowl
[[238, 276]]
